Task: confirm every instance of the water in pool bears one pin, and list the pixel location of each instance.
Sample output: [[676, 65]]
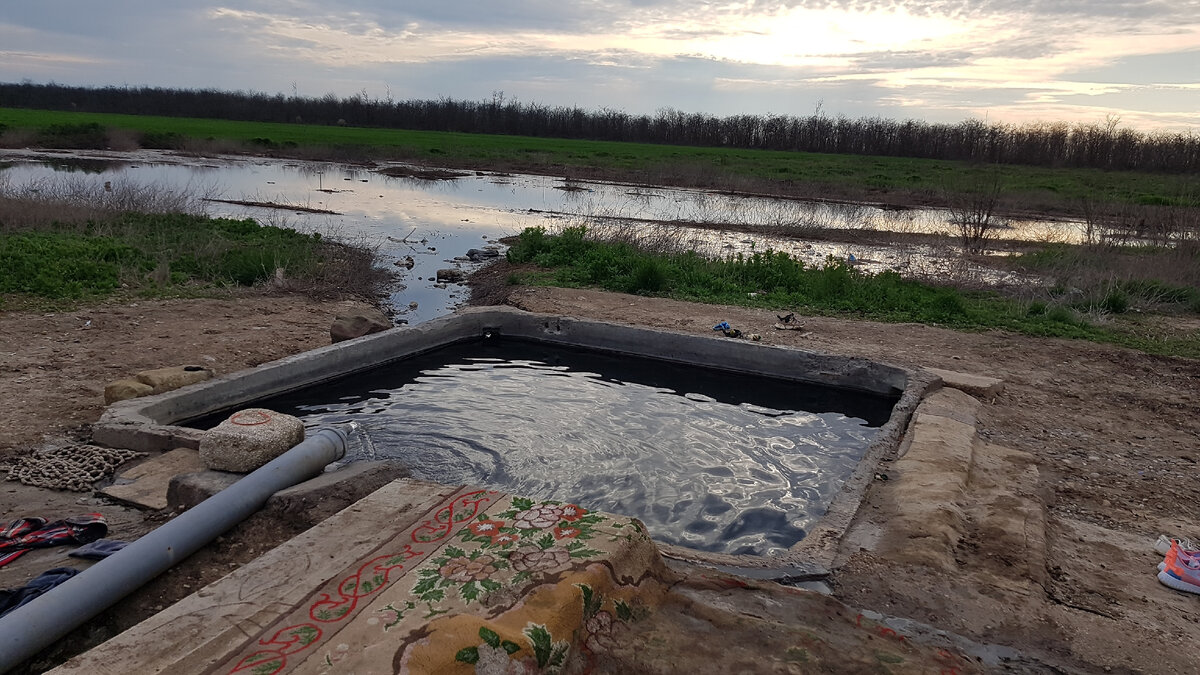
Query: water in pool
[[708, 459]]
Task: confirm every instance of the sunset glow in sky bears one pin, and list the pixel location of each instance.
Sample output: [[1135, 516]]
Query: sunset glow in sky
[[937, 60]]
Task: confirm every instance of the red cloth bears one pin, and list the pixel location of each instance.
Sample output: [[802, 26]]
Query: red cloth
[[24, 534]]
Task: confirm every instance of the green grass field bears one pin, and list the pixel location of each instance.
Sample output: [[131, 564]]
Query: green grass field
[[1053, 190], [773, 280]]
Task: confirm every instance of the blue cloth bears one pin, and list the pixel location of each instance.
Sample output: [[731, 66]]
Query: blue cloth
[[101, 548], [12, 598]]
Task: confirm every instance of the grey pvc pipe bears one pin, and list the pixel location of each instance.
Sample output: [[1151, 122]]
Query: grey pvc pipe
[[31, 628]]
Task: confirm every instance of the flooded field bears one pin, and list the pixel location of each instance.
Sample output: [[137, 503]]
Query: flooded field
[[423, 225]]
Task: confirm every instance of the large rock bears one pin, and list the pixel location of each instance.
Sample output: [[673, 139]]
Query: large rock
[[249, 439], [166, 379], [451, 275], [358, 324], [121, 390]]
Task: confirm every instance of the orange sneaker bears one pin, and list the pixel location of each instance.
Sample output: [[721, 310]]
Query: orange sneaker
[[1180, 570]]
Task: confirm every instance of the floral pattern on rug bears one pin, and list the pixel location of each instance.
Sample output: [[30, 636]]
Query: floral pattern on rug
[[526, 538], [603, 629]]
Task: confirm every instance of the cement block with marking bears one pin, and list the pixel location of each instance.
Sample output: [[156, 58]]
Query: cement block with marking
[[249, 439]]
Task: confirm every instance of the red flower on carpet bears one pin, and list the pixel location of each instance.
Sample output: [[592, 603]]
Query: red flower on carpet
[[504, 538], [571, 512], [566, 532], [486, 528]]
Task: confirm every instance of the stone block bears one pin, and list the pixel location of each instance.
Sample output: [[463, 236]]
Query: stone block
[[975, 385], [167, 379], [358, 324], [121, 390], [147, 484], [249, 439], [306, 503], [189, 489]]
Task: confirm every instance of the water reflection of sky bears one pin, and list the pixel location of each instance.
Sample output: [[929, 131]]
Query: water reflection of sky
[[436, 221]]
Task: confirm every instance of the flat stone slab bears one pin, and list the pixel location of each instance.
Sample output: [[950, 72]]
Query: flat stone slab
[[975, 385], [174, 377], [147, 483]]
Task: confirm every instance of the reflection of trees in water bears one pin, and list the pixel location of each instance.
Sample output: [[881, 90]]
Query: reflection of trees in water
[[84, 165]]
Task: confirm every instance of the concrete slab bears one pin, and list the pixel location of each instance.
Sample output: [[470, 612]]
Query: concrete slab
[[190, 635], [928, 483], [975, 385], [307, 503], [146, 484]]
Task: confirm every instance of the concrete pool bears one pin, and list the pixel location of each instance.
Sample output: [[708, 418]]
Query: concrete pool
[[794, 530]]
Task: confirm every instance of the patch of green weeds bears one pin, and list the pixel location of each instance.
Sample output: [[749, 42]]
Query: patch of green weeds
[[86, 135], [143, 251], [775, 280]]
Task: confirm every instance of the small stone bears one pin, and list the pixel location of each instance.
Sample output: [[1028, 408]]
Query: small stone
[[167, 379], [452, 276], [350, 326], [121, 390]]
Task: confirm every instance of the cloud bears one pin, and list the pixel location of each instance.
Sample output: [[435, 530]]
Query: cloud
[[940, 59]]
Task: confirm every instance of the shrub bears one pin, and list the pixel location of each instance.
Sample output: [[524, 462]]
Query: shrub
[[88, 135], [162, 140], [649, 276], [1061, 314], [1115, 301], [529, 245]]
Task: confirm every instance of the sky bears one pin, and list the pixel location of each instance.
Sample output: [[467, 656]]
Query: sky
[[1131, 62]]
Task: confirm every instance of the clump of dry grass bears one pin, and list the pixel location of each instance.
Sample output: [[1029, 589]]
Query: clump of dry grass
[[74, 201]]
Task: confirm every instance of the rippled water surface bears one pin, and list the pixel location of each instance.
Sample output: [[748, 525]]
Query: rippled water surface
[[707, 459]]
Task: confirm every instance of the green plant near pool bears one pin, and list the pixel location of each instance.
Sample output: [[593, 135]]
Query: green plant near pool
[[151, 253], [774, 280]]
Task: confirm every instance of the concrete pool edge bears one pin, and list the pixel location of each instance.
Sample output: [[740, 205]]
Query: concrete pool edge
[[152, 423]]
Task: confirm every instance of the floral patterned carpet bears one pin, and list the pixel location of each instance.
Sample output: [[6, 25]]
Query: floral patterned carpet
[[486, 583]]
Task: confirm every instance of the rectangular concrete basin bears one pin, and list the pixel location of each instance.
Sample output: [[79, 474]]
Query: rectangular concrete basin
[[155, 422]]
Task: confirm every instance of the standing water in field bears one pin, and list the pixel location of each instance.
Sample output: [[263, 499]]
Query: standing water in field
[[712, 460], [421, 226]]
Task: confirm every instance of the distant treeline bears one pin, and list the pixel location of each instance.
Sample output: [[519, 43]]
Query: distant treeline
[[1096, 145]]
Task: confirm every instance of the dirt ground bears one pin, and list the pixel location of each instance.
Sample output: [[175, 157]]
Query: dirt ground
[[1115, 436], [53, 369]]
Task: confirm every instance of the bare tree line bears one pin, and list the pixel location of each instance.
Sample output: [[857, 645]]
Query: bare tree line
[[1100, 145]]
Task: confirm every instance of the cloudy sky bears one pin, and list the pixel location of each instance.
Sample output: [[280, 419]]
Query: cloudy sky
[[938, 60]]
